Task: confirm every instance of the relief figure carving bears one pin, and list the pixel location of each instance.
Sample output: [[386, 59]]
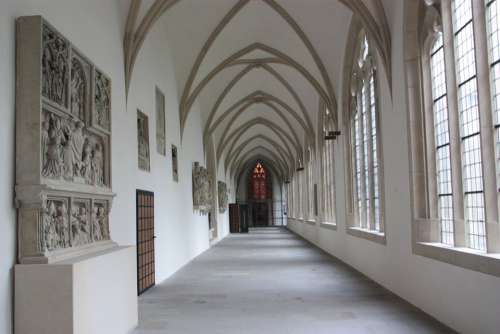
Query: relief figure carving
[[97, 165], [55, 225], [80, 225], [202, 185], [102, 100], [78, 89], [54, 67], [53, 157]]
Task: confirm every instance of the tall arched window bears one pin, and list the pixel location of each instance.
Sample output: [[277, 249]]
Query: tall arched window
[[259, 183], [454, 120], [364, 148], [461, 87], [310, 185], [442, 141], [327, 168]]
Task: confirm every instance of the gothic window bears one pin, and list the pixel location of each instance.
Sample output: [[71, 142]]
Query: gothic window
[[364, 148], [328, 171], [310, 185], [461, 93], [442, 141], [259, 183]]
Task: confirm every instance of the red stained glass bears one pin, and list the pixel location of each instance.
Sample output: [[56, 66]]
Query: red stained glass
[[259, 182]]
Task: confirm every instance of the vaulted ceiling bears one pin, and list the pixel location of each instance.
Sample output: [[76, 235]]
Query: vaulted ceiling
[[257, 69]]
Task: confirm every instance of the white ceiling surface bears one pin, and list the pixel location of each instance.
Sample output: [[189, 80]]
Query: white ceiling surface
[[325, 23]]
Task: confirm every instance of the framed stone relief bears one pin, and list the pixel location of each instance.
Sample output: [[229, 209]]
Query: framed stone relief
[[143, 141], [55, 67], [202, 185], [63, 161], [223, 196], [175, 164], [101, 115], [161, 144]]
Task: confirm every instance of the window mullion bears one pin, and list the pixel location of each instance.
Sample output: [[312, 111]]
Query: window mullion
[[364, 210], [371, 191], [487, 130], [454, 122]]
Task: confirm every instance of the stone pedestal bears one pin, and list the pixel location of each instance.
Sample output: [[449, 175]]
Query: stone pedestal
[[93, 294]]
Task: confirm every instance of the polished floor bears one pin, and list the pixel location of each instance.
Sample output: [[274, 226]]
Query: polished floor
[[270, 281]]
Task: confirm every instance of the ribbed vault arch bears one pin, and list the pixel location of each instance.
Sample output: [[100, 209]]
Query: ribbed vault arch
[[240, 76], [272, 60], [271, 156], [187, 102], [225, 142], [273, 108], [258, 97], [231, 156]]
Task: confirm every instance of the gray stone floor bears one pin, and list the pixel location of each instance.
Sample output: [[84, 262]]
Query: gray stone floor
[[270, 281]]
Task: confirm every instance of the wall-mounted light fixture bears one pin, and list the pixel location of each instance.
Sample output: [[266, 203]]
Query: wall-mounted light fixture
[[332, 135]]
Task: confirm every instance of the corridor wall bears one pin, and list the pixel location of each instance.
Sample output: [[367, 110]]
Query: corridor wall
[[96, 28], [465, 300]]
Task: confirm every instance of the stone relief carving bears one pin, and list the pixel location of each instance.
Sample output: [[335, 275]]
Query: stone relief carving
[[202, 185], [143, 141], [100, 224], [223, 196], [64, 193], [55, 227], [80, 74], [161, 145], [102, 111], [55, 67], [71, 152], [80, 223], [175, 164]]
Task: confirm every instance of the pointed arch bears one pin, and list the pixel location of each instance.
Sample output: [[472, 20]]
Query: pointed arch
[[248, 125], [232, 156], [186, 103], [275, 74]]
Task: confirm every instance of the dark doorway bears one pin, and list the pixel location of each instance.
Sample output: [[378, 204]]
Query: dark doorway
[[261, 214], [145, 241]]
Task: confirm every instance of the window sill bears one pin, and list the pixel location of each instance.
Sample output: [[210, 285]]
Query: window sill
[[462, 257], [374, 236], [330, 226]]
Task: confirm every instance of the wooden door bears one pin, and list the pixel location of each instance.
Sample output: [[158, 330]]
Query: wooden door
[[145, 241], [234, 218]]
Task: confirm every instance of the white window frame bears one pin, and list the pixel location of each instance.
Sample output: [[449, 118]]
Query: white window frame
[[463, 252], [365, 170]]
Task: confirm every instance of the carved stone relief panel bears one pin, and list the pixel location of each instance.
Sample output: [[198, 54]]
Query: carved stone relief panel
[[143, 141], [202, 185], [80, 86], [81, 233], [55, 224], [101, 117], [161, 144], [63, 162], [100, 222], [175, 164], [55, 67], [72, 152], [223, 196]]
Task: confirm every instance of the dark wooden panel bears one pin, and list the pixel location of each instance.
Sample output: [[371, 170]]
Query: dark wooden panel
[[234, 218]]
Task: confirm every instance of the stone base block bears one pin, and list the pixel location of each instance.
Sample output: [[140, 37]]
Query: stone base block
[[94, 294]]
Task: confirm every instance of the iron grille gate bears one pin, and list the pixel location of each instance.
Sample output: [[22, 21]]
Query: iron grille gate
[[145, 241]]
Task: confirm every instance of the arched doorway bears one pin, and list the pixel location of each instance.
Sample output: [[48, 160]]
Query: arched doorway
[[260, 195]]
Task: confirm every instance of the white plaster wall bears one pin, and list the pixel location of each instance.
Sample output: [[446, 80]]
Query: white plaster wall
[[96, 28], [465, 300]]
